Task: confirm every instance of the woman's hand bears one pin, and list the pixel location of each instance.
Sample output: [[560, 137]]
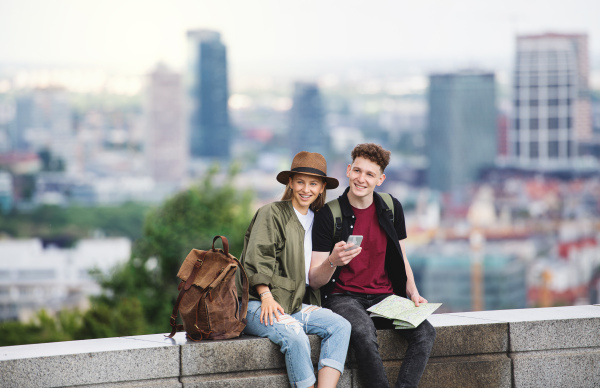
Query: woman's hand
[[270, 307]]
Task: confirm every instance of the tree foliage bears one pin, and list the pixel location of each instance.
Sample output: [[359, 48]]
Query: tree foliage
[[76, 222], [190, 219], [138, 295], [104, 319]]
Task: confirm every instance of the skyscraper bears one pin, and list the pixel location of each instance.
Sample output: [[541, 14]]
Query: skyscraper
[[307, 120], [166, 145], [552, 112], [44, 121], [209, 129], [461, 135]]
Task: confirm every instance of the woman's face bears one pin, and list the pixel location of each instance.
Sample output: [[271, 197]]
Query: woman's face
[[305, 190]]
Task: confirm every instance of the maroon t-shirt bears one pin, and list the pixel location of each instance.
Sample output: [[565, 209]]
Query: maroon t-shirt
[[366, 274]]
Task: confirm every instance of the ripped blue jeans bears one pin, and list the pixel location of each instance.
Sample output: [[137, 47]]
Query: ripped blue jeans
[[290, 333]]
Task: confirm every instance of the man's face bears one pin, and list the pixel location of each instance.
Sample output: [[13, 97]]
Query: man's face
[[364, 175]]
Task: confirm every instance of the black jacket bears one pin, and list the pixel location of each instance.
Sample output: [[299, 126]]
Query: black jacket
[[323, 239]]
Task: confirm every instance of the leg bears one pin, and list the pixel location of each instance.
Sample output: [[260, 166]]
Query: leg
[[363, 338], [420, 341], [335, 333], [290, 336], [328, 377]]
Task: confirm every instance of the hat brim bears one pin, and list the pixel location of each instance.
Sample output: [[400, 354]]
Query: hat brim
[[284, 177]]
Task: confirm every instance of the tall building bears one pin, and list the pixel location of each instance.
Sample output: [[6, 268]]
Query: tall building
[[308, 131], [552, 111], [461, 136], [209, 129], [166, 144], [44, 121]]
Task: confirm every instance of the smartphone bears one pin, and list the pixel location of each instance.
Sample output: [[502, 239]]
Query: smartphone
[[356, 240]]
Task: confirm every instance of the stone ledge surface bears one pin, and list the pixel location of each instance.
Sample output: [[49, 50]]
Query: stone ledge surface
[[530, 347], [547, 328], [557, 368], [490, 371], [457, 335]]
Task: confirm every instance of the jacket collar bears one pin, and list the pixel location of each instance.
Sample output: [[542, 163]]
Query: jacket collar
[[347, 208]]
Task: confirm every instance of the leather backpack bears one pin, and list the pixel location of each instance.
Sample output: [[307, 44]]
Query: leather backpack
[[208, 300]]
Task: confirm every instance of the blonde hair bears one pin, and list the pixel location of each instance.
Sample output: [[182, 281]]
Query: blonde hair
[[316, 205]]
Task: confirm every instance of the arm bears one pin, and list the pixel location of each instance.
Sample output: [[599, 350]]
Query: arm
[[260, 260], [321, 271], [321, 263], [411, 287]]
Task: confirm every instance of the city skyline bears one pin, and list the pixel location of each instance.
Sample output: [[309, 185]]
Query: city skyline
[[270, 38]]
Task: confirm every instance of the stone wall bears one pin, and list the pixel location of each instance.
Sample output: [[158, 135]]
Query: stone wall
[[550, 347]]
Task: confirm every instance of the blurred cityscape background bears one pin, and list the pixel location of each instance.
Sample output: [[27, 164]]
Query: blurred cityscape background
[[131, 132]]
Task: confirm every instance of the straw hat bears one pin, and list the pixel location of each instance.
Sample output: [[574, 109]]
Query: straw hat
[[309, 163]]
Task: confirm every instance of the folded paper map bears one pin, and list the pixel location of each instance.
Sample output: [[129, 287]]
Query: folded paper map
[[403, 311]]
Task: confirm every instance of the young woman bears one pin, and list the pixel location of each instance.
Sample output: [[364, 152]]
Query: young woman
[[276, 257]]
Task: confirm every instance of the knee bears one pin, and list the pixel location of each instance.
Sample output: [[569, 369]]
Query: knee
[[341, 325], [431, 332], [296, 343]]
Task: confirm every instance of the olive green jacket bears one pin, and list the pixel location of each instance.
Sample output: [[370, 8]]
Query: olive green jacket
[[274, 255]]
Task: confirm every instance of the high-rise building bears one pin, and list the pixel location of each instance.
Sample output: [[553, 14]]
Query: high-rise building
[[308, 131], [461, 136], [44, 121], [552, 112], [166, 143], [209, 129]]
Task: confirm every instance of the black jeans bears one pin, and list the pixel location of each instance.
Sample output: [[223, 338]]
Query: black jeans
[[363, 340]]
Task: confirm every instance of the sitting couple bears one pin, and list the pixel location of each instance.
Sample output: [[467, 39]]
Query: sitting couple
[[295, 265]]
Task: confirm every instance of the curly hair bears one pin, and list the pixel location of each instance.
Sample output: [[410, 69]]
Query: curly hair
[[373, 152]]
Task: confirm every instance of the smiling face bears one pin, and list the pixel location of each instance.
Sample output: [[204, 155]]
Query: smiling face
[[306, 189], [364, 175]]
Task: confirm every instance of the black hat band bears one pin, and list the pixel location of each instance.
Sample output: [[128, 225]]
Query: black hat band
[[309, 170]]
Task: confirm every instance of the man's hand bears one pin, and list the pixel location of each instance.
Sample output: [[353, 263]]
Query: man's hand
[[340, 257], [417, 299]]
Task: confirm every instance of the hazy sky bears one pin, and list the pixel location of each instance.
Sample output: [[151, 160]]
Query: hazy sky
[[267, 34]]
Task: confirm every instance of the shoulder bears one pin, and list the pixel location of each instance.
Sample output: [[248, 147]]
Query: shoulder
[[395, 200], [324, 214], [281, 210]]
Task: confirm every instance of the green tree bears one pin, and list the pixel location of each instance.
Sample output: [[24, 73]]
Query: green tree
[[112, 318], [76, 222], [188, 220], [42, 328]]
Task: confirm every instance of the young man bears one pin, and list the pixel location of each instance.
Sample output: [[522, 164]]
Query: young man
[[354, 280]]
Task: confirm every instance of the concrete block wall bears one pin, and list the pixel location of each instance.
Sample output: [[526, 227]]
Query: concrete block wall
[[551, 347]]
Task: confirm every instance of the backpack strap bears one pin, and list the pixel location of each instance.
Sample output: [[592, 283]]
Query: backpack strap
[[387, 198], [245, 284], [336, 211], [245, 289]]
